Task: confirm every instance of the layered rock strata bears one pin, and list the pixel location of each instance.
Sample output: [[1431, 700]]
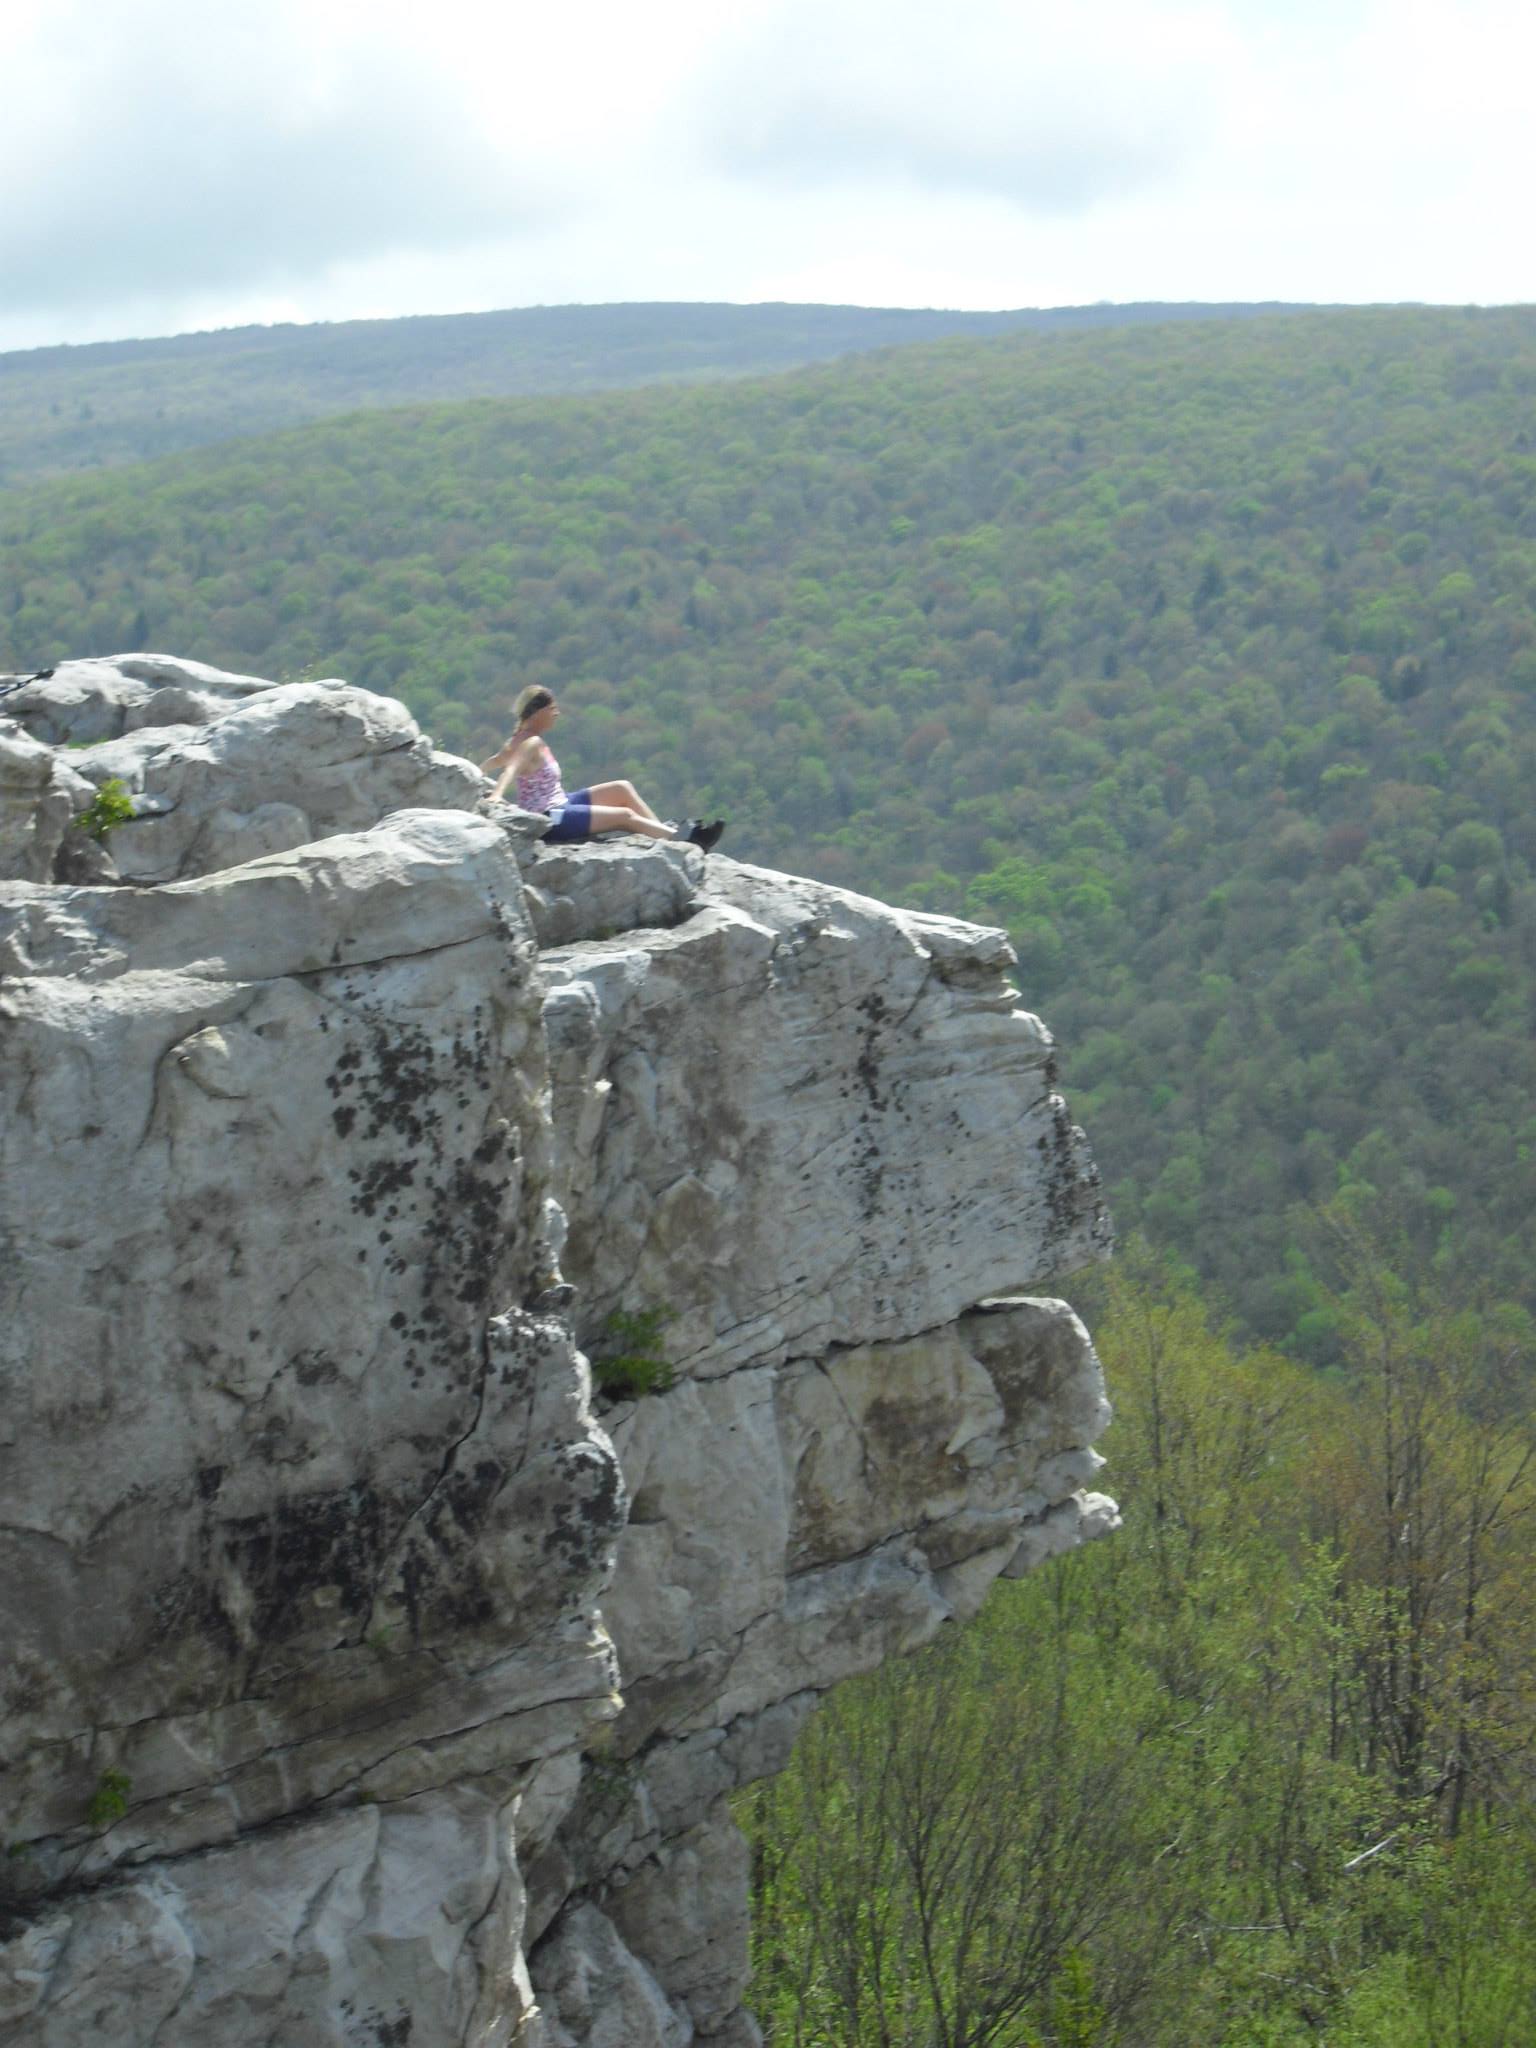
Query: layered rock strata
[[366, 1679]]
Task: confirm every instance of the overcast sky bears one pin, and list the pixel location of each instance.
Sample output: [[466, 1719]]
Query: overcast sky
[[178, 164]]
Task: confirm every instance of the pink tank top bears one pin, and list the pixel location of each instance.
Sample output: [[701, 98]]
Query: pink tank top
[[543, 789]]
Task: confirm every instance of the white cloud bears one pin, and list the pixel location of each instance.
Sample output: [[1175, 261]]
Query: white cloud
[[177, 148], [171, 166], [1054, 109]]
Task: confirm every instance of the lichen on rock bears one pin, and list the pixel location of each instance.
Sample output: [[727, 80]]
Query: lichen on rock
[[427, 1677]]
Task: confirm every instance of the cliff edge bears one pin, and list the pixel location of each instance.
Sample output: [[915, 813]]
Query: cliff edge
[[368, 1677]]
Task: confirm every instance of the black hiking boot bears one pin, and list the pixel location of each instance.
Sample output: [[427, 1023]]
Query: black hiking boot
[[706, 837]]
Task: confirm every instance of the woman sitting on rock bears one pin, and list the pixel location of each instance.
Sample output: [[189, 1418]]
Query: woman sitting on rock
[[527, 763]]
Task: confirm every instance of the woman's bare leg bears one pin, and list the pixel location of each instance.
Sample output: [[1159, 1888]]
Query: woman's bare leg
[[623, 796], [621, 818]]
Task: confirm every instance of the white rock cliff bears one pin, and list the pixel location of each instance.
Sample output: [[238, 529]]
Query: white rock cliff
[[363, 1679]]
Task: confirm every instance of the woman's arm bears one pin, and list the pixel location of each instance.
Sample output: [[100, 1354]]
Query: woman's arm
[[517, 760]]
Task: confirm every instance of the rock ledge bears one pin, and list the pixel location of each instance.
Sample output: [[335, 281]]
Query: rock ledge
[[368, 1678]]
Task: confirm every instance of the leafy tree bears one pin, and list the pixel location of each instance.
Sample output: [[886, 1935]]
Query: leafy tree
[[1254, 1770]]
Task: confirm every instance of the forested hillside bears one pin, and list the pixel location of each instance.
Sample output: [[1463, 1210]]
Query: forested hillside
[[74, 408], [1202, 656], [1255, 1772]]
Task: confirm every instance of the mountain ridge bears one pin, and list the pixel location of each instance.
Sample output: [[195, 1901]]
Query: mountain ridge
[[72, 407]]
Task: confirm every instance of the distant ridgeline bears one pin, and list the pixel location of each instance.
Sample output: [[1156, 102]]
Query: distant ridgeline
[[1201, 655], [73, 408]]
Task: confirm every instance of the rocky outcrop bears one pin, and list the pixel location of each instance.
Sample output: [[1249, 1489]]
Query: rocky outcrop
[[368, 1678], [222, 769], [40, 798]]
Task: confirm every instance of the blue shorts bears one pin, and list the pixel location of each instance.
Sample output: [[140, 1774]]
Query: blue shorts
[[572, 819]]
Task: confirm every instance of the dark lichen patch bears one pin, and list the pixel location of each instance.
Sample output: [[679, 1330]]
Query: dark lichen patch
[[443, 1583], [393, 1079], [331, 1541], [603, 1508], [867, 1156], [471, 1491], [442, 1215], [379, 1180], [868, 1164], [190, 1604], [492, 1145], [516, 1373], [587, 1514], [874, 1009], [375, 2029], [1072, 1188], [467, 1226]]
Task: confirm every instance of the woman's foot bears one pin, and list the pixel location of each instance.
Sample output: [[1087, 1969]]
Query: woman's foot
[[706, 837]]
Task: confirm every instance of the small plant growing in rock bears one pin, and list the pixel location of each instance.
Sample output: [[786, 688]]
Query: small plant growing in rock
[[610, 1788], [109, 1802], [110, 807], [629, 1359]]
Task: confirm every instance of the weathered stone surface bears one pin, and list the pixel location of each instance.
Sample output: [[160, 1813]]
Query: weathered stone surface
[[607, 887], [272, 771], [804, 1503], [686, 1911], [801, 1119], [80, 702], [39, 797], [379, 1925], [279, 1479], [598, 1994], [319, 1578]]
